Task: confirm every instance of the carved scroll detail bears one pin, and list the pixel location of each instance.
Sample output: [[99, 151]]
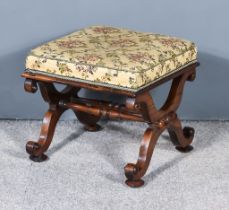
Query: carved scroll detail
[[134, 172], [30, 85], [51, 96], [159, 120]]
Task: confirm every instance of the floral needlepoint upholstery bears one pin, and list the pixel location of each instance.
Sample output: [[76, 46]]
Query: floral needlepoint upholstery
[[114, 57]]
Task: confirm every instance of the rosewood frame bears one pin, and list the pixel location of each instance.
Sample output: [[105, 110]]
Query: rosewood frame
[[139, 106]]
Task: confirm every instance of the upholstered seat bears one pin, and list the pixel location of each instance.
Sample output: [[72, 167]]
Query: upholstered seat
[[114, 57]]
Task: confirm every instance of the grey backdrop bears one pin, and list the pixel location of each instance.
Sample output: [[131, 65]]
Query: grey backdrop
[[25, 24]]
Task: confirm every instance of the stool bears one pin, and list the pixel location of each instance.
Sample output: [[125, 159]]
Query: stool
[[119, 61]]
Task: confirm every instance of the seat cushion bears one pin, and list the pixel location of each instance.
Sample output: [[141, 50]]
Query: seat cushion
[[114, 57]]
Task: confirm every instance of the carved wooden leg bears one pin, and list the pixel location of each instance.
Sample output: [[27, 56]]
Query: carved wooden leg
[[182, 138], [89, 121], [159, 119], [37, 149], [134, 172], [53, 97]]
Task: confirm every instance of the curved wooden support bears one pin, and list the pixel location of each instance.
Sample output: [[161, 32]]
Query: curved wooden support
[[159, 119], [182, 138], [176, 91], [134, 172], [37, 149], [51, 96], [146, 105]]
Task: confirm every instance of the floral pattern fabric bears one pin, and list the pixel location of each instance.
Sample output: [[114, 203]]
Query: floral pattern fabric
[[112, 56]]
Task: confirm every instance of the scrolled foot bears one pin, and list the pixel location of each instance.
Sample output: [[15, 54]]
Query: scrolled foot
[[134, 172], [181, 138], [134, 183], [188, 132], [131, 173], [185, 149], [31, 147], [40, 158], [93, 128]]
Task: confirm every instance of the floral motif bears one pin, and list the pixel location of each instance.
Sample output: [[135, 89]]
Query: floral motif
[[63, 68], [85, 69], [140, 57], [70, 44], [122, 43], [112, 56], [174, 43], [105, 30], [92, 58]]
